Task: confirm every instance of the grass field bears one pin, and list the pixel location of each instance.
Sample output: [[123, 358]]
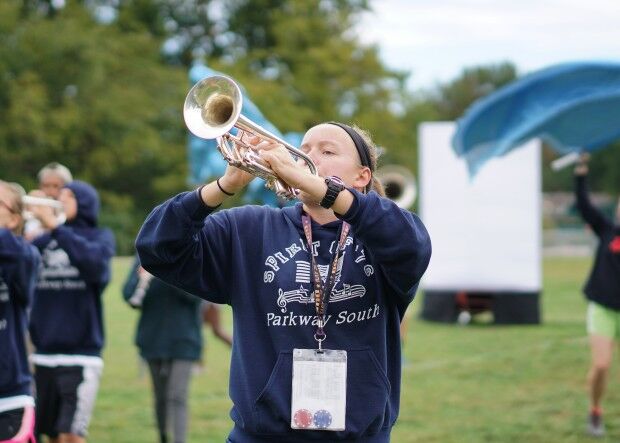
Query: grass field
[[478, 383]]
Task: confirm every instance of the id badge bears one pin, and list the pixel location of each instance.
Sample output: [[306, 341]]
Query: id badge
[[319, 394]]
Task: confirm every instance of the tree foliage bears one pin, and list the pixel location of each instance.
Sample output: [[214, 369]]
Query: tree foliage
[[95, 99], [305, 65], [98, 85], [453, 99]]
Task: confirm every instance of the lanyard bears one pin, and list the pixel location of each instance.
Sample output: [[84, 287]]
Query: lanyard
[[322, 292]]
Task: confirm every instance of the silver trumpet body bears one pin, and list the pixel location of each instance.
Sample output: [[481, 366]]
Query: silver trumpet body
[[58, 207], [212, 108]]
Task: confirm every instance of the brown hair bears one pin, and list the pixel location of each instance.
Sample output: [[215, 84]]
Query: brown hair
[[17, 207], [373, 154]]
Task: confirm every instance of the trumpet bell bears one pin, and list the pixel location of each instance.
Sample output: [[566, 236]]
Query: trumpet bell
[[212, 107], [399, 184]]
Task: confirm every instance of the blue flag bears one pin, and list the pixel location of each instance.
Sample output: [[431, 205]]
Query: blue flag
[[573, 106]]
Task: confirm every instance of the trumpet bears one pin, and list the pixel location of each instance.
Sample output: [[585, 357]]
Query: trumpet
[[59, 209], [399, 184], [212, 108]]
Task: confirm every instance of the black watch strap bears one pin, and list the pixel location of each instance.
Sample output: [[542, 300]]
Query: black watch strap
[[334, 186]]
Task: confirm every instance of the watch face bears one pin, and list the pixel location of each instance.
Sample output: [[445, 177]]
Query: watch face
[[335, 179]]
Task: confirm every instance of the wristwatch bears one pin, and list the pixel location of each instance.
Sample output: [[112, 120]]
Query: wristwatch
[[334, 186]]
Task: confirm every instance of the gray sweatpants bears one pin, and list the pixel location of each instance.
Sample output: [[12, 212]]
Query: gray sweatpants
[[170, 387]]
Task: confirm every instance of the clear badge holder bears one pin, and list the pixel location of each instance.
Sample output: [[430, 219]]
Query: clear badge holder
[[319, 394]]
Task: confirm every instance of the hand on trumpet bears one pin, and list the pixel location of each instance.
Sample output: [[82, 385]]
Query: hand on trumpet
[[46, 214], [278, 158], [269, 153], [235, 179]]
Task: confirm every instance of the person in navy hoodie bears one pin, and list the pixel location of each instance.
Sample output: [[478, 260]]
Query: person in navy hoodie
[[321, 285], [66, 325], [603, 293], [18, 271]]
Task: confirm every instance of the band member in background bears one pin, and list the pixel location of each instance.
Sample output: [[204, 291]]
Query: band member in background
[[66, 325], [52, 178], [18, 271], [320, 285], [169, 337], [603, 293]]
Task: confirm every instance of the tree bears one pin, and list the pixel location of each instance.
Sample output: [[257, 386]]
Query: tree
[[96, 99], [453, 98], [304, 65]]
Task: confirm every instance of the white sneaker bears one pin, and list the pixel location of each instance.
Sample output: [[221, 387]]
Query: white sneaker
[[596, 428]]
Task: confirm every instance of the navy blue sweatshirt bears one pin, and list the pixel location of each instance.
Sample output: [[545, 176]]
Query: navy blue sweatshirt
[[170, 325], [67, 314], [256, 259], [18, 270], [603, 284]]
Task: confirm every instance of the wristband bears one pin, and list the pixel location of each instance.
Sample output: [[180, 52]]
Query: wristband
[[222, 189]]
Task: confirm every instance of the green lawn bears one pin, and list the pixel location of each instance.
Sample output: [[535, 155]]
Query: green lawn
[[478, 383]]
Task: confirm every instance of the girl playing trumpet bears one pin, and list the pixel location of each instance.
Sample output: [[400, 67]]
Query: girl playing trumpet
[[338, 270], [18, 270]]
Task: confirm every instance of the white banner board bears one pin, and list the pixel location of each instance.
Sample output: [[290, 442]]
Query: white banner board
[[486, 230]]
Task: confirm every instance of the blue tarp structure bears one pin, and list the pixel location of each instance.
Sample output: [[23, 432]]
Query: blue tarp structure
[[573, 107], [205, 160]]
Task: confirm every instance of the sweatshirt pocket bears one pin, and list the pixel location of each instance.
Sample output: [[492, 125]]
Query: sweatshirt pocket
[[272, 409], [368, 395]]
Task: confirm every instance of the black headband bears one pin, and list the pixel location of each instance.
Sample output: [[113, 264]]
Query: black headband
[[360, 144]]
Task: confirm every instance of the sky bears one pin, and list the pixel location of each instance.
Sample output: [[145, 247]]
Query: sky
[[436, 39]]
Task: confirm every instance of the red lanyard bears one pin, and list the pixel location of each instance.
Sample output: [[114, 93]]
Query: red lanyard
[[322, 292]]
